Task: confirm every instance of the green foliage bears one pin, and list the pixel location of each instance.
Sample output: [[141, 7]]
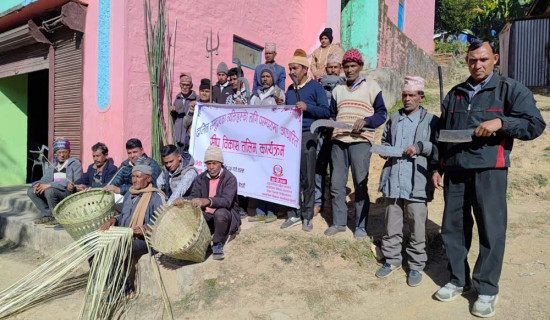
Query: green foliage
[[455, 47], [493, 14], [458, 15], [541, 180]]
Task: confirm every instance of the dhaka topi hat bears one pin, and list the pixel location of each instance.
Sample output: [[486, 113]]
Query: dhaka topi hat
[[213, 153], [334, 58], [414, 84], [61, 144], [270, 47], [353, 55]]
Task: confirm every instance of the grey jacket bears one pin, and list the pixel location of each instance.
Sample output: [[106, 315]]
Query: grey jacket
[[74, 172], [424, 141]]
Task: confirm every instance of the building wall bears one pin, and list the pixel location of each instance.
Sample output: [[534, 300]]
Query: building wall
[[13, 130], [360, 29], [290, 24]]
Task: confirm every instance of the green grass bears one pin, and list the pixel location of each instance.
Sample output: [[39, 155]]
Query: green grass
[[430, 102], [540, 180]]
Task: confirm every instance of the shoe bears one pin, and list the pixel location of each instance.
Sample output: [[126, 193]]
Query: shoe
[[307, 225], [217, 251], [257, 218], [43, 220], [360, 233], [450, 292], [332, 230], [484, 307], [414, 278], [316, 210], [270, 218], [290, 222], [51, 224], [386, 270]]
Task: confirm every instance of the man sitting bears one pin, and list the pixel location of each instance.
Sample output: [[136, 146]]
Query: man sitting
[[99, 173], [269, 92], [178, 173], [137, 209], [215, 192], [52, 188], [123, 181]]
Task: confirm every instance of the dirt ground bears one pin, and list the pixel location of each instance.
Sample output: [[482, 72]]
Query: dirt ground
[[273, 274]]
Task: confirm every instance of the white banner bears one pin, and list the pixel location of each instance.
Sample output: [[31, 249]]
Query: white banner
[[261, 147]]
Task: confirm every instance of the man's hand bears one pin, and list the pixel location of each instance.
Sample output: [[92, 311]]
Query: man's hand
[[437, 181], [70, 187], [192, 105], [358, 125], [487, 128], [179, 201], [81, 187], [172, 109], [200, 202], [112, 188], [109, 223], [280, 101], [410, 151], [42, 187], [35, 187], [301, 105], [138, 230]]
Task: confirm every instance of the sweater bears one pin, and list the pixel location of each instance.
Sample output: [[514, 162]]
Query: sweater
[[315, 98], [73, 172], [319, 59]]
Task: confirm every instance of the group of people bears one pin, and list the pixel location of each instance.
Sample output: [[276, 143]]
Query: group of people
[[473, 175]]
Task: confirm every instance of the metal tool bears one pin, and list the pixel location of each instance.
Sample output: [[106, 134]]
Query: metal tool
[[334, 124], [295, 82], [241, 79], [387, 151], [456, 136], [440, 74], [209, 54]]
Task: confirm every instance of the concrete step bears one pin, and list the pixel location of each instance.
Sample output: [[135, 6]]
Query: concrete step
[[17, 214]]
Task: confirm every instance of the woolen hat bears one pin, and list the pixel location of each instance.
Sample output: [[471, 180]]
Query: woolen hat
[[213, 153], [269, 69], [143, 168], [327, 32], [300, 57], [61, 144], [222, 68], [205, 84], [353, 55]]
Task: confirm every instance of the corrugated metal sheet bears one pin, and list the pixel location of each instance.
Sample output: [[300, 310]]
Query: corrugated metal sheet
[[68, 88], [23, 60], [527, 58]]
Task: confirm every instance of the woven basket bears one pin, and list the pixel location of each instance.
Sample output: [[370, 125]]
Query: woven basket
[[180, 232], [85, 211]]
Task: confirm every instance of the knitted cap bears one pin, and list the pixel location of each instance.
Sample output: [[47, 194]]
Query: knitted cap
[[269, 69], [213, 153], [61, 144], [414, 84], [205, 84], [327, 32], [300, 57], [143, 168], [353, 55], [222, 68]]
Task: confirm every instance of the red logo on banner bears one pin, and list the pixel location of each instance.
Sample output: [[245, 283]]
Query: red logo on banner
[[277, 170]]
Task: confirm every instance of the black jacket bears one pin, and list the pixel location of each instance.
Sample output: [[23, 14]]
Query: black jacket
[[501, 98], [108, 172]]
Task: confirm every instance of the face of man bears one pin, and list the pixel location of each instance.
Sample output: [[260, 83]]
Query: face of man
[[172, 161], [234, 82], [204, 95], [63, 155], [186, 86], [411, 101], [352, 69], [333, 69], [222, 78], [213, 167], [270, 56], [140, 180], [267, 80], [481, 62], [325, 41], [299, 71], [99, 157], [134, 153]]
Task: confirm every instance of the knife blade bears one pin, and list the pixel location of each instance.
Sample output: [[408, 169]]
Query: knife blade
[[456, 136], [333, 124], [387, 151]]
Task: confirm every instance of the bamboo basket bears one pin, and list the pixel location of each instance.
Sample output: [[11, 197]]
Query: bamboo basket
[[180, 232], [85, 211]]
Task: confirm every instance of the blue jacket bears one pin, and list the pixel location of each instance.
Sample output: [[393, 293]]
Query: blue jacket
[[123, 179], [88, 178], [280, 77], [315, 97]]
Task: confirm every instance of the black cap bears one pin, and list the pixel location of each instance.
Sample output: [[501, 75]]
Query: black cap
[[205, 84], [327, 32]]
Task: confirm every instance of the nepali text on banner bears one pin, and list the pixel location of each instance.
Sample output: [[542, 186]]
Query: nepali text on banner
[[261, 147]]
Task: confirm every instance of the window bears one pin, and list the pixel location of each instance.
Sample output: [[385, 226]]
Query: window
[[401, 14], [247, 52]]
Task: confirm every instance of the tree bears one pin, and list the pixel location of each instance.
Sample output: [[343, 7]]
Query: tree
[[458, 15], [493, 14]]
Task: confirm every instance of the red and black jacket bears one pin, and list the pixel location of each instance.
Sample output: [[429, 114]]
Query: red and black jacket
[[502, 98]]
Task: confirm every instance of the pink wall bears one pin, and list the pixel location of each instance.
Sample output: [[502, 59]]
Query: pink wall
[[419, 21], [291, 24]]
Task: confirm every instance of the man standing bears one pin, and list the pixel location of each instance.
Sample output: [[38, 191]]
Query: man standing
[[405, 182], [269, 92], [359, 103], [180, 108], [324, 143], [222, 89], [215, 192], [178, 173], [47, 192], [238, 95], [310, 98], [279, 71], [204, 97], [99, 173], [320, 55], [123, 180], [497, 110]]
